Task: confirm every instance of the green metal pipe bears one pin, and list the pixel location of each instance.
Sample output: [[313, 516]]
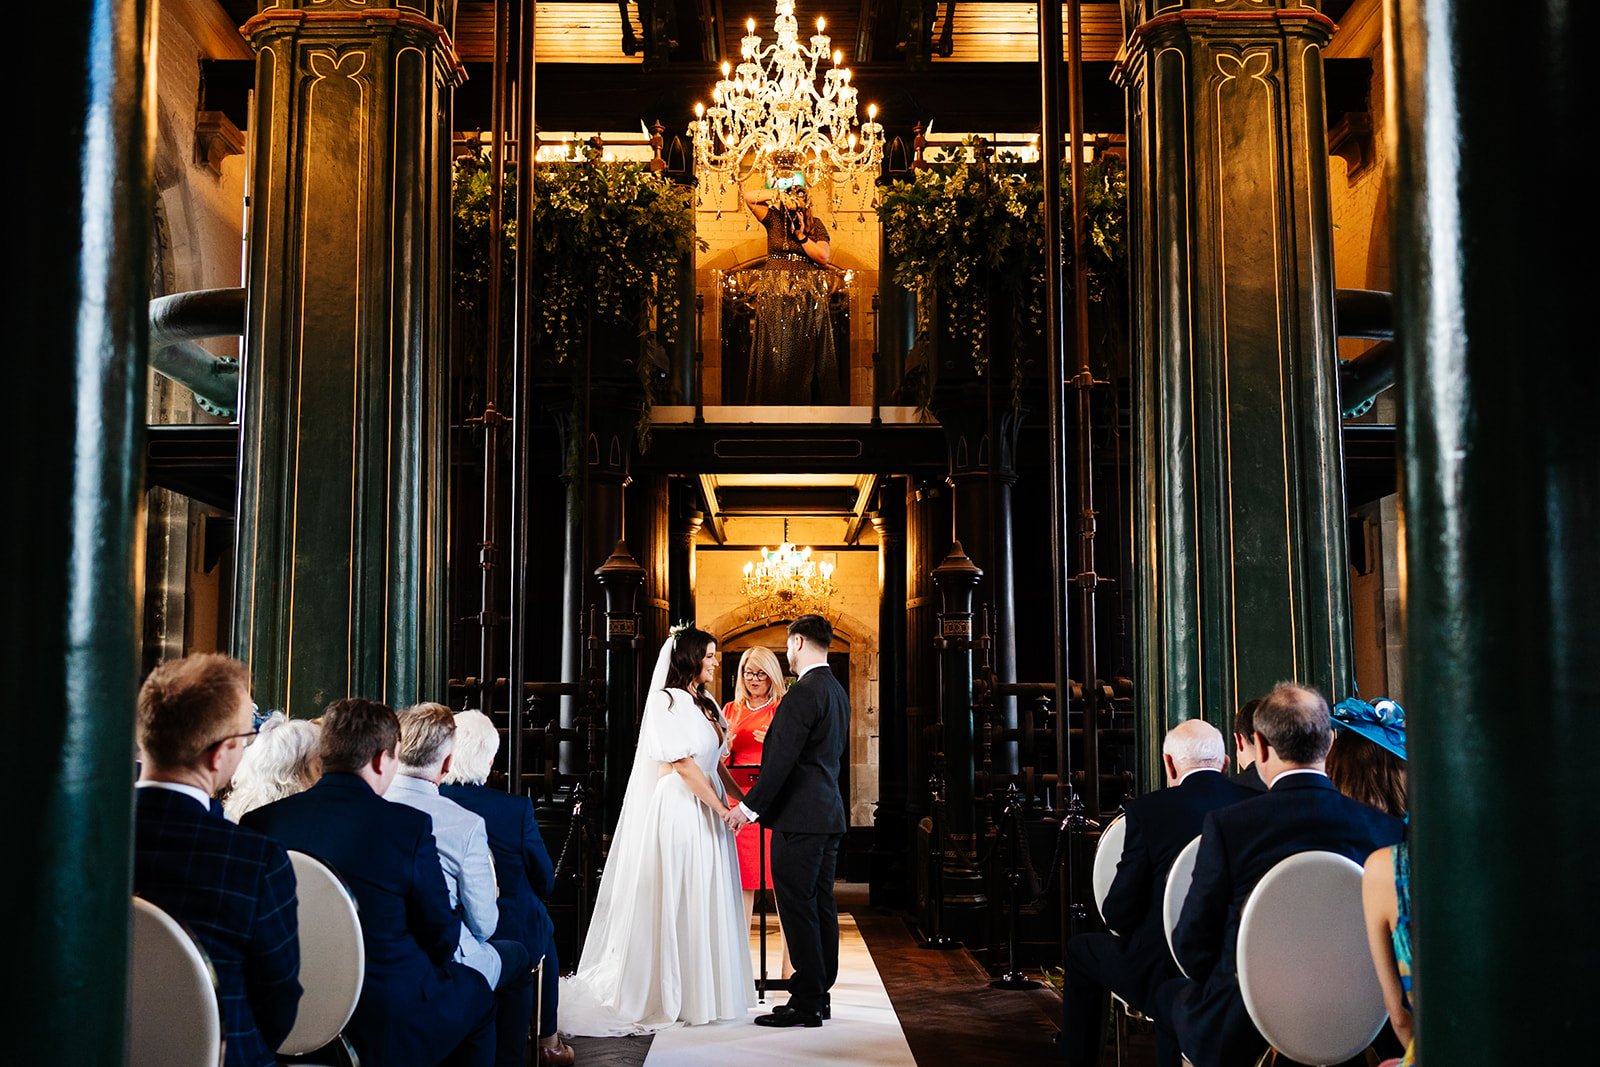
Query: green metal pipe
[[176, 322]]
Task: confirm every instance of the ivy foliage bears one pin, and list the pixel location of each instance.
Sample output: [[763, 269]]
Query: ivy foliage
[[609, 240], [968, 229]]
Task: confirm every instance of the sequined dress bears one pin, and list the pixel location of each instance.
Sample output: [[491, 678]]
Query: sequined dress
[[792, 358]]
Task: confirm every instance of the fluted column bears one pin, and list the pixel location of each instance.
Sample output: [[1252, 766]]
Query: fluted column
[[72, 431], [341, 514], [890, 833], [981, 432], [957, 576], [1241, 577], [621, 577]]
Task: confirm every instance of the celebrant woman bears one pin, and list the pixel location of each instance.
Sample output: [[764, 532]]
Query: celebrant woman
[[792, 359], [758, 687]]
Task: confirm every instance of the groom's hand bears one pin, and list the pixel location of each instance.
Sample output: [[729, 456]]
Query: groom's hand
[[735, 820]]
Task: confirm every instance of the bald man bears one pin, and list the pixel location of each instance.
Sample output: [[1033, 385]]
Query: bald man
[[1132, 959]]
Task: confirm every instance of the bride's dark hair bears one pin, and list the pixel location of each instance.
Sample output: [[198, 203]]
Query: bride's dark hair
[[683, 671]]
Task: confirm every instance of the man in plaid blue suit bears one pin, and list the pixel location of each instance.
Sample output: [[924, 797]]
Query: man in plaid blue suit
[[233, 889]]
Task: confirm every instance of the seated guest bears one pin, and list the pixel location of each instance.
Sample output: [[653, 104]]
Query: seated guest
[[1386, 903], [418, 1006], [1368, 758], [1134, 961], [233, 889], [427, 741], [522, 866], [1204, 1015], [283, 760], [1243, 728]]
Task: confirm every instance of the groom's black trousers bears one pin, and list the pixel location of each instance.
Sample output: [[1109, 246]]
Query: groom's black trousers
[[802, 876]]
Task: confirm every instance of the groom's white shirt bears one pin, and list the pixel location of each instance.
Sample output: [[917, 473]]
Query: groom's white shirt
[[744, 809]]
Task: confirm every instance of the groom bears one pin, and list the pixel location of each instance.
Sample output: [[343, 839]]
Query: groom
[[797, 796]]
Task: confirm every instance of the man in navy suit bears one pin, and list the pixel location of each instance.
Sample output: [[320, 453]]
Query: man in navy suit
[[418, 1008], [521, 863], [1134, 960], [1204, 1015], [233, 889], [1244, 729], [797, 796]]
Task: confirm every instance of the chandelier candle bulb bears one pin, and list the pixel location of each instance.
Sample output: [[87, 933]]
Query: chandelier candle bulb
[[775, 117]]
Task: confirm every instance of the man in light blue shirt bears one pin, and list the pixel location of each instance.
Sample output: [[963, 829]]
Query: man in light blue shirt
[[427, 740]]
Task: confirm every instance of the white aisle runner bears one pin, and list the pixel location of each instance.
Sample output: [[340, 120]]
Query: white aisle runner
[[864, 1029]]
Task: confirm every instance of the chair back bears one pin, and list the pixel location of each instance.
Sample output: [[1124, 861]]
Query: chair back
[[1304, 966], [333, 959], [1106, 856], [1179, 876], [177, 1021]]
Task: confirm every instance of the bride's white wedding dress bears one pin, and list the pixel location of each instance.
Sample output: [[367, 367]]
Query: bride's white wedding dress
[[668, 942]]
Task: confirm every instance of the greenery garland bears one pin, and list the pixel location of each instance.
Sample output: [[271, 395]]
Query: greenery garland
[[969, 228], [610, 238]]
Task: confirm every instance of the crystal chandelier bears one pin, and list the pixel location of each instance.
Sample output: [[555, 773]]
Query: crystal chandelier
[[787, 583], [769, 112]]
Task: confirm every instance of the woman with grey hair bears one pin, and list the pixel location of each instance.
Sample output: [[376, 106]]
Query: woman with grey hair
[[521, 864], [282, 760]]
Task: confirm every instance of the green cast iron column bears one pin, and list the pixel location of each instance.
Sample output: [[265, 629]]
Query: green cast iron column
[[341, 516], [1238, 483], [1500, 525], [72, 432]]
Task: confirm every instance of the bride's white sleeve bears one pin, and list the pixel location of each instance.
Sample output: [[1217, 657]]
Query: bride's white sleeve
[[666, 733]]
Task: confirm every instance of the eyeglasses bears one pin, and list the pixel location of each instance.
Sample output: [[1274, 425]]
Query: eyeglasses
[[754, 676], [249, 739]]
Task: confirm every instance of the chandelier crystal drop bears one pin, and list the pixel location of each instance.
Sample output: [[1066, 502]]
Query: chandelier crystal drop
[[786, 583], [771, 113]]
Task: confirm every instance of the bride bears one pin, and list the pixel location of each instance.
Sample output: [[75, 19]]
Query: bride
[[668, 942]]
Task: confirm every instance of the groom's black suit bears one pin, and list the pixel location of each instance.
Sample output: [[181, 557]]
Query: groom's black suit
[[797, 797]]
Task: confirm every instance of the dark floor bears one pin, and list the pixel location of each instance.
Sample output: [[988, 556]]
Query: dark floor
[[945, 1004]]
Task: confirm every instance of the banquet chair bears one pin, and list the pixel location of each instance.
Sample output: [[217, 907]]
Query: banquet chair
[[176, 1018], [1309, 986], [1178, 878], [1107, 854], [332, 966]]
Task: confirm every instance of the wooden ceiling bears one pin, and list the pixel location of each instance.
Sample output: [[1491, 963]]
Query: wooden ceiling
[[866, 31], [968, 64]]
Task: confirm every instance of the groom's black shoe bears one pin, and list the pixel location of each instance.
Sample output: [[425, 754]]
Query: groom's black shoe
[[784, 1009], [783, 1015]]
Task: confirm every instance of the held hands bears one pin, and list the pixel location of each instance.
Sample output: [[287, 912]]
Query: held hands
[[735, 820]]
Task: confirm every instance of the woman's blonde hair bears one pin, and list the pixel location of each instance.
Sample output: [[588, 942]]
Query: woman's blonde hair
[[477, 741], [764, 661], [280, 762]]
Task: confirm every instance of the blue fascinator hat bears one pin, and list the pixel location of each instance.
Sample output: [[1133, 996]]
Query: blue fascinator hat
[[1383, 722]]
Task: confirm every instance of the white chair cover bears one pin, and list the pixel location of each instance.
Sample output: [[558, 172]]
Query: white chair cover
[[177, 1021], [1178, 879], [1106, 855], [1304, 967], [333, 959]]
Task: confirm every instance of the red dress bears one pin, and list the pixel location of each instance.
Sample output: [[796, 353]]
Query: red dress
[[744, 762]]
